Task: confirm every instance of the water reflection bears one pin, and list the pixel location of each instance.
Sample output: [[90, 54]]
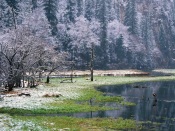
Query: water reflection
[[155, 102]]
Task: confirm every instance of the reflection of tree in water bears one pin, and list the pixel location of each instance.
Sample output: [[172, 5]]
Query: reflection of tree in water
[[154, 107], [160, 109]]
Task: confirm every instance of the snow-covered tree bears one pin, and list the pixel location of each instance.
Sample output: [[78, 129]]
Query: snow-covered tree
[[83, 32], [34, 4], [50, 7], [131, 16], [71, 11], [3, 14], [22, 54], [79, 7], [14, 10], [147, 37], [38, 23], [101, 15], [117, 36], [84, 37], [89, 9], [52, 20]]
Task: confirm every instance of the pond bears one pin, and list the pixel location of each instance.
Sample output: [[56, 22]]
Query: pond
[[155, 104]]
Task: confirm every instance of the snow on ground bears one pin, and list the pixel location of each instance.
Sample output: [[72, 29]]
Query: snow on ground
[[36, 100], [9, 124]]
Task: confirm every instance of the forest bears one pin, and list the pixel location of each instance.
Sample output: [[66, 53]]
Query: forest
[[42, 35], [125, 34]]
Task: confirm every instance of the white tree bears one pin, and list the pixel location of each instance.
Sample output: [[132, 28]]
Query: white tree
[[24, 54], [114, 30], [53, 61], [39, 25], [84, 35]]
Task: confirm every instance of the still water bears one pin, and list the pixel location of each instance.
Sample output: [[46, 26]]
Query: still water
[[156, 111]]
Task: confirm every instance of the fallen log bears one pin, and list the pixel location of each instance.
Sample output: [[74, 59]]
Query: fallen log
[[24, 94]]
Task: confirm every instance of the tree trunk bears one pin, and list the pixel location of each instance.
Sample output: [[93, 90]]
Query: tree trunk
[[18, 81], [48, 79], [14, 19], [10, 80], [71, 76], [33, 82], [10, 85], [92, 62], [40, 76], [10, 88]]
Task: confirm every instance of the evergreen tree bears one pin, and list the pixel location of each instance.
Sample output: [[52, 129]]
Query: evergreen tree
[[173, 11], [119, 48], [102, 17], [13, 4], [117, 8], [50, 7], [144, 29], [3, 14], [69, 18], [34, 4], [79, 7], [131, 16], [110, 10], [147, 36], [163, 45], [8, 20], [70, 11], [127, 13], [89, 9]]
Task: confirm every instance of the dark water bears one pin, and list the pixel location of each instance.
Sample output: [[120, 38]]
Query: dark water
[[157, 112]]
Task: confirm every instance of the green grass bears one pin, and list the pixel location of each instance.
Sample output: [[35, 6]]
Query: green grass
[[82, 124], [85, 90], [106, 80]]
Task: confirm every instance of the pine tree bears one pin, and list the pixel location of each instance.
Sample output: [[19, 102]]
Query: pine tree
[[131, 16], [144, 29], [117, 8], [34, 4], [102, 17], [119, 48], [163, 45], [173, 12], [79, 7], [110, 11], [70, 11], [13, 4], [50, 7], [127, 13], [146, 35], [89, 9], [3, 14]]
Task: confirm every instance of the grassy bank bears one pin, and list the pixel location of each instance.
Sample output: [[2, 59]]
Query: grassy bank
[[77, 97], [81, 124]]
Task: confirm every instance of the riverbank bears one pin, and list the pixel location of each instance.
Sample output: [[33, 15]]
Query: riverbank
[[44, 100]]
